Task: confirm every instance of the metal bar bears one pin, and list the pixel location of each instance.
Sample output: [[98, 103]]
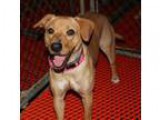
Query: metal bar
[[128, 53], [37, 35], [97, 6], [34, 90], [82, 7], [92, 7]]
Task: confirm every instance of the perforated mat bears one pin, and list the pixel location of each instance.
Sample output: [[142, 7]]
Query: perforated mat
[[110, 101]]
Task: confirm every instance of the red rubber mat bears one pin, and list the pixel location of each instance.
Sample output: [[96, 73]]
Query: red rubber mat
[[110, 101]]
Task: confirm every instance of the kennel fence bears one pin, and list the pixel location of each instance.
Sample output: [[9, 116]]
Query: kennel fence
[[124, 15]]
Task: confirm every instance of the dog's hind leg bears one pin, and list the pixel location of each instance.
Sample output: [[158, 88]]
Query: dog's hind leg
[[107, 45]]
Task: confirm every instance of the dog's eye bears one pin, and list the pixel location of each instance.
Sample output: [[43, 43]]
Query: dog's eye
[[70, 32], [50, 31]]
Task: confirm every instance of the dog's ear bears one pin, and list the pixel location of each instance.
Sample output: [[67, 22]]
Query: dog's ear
[[86, 28], [44, 21]]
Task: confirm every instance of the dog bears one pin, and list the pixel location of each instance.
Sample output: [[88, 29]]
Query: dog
[[73, 44]]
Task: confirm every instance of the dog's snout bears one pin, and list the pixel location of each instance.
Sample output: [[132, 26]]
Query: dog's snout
[[56, 46]]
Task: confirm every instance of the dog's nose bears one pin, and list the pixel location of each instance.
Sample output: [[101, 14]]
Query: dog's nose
[[56, 46]]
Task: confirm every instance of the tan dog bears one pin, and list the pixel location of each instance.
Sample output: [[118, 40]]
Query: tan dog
[[74, 43]]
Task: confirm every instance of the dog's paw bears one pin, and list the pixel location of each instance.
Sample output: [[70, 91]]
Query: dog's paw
[[115, 80]]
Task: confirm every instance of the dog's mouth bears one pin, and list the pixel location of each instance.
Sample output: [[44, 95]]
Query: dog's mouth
[[58, 62]]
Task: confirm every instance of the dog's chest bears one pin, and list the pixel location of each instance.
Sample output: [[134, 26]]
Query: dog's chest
[[74, 82], [71, 81], [77, 79]]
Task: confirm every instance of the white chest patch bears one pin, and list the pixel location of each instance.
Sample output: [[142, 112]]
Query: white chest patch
[[62, 84]]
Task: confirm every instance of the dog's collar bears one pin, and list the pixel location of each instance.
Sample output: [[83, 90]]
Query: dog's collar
[[75, 63]]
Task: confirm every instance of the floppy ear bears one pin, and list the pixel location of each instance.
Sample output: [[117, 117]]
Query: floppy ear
[[86, 28], [44, 20]]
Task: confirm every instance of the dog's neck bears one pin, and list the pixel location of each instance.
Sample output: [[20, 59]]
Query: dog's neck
[[75, 59], [75, 55]]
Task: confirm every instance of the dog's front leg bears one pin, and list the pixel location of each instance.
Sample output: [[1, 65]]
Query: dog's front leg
[[59, 91], [59, 106], [87, 103]]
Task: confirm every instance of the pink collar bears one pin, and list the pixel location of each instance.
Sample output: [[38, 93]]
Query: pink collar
[[71, 65]]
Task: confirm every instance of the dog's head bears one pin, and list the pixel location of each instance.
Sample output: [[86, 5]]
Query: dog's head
[[64, 35]]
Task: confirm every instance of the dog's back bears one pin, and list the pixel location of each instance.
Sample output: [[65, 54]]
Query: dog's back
[[101, 25]]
